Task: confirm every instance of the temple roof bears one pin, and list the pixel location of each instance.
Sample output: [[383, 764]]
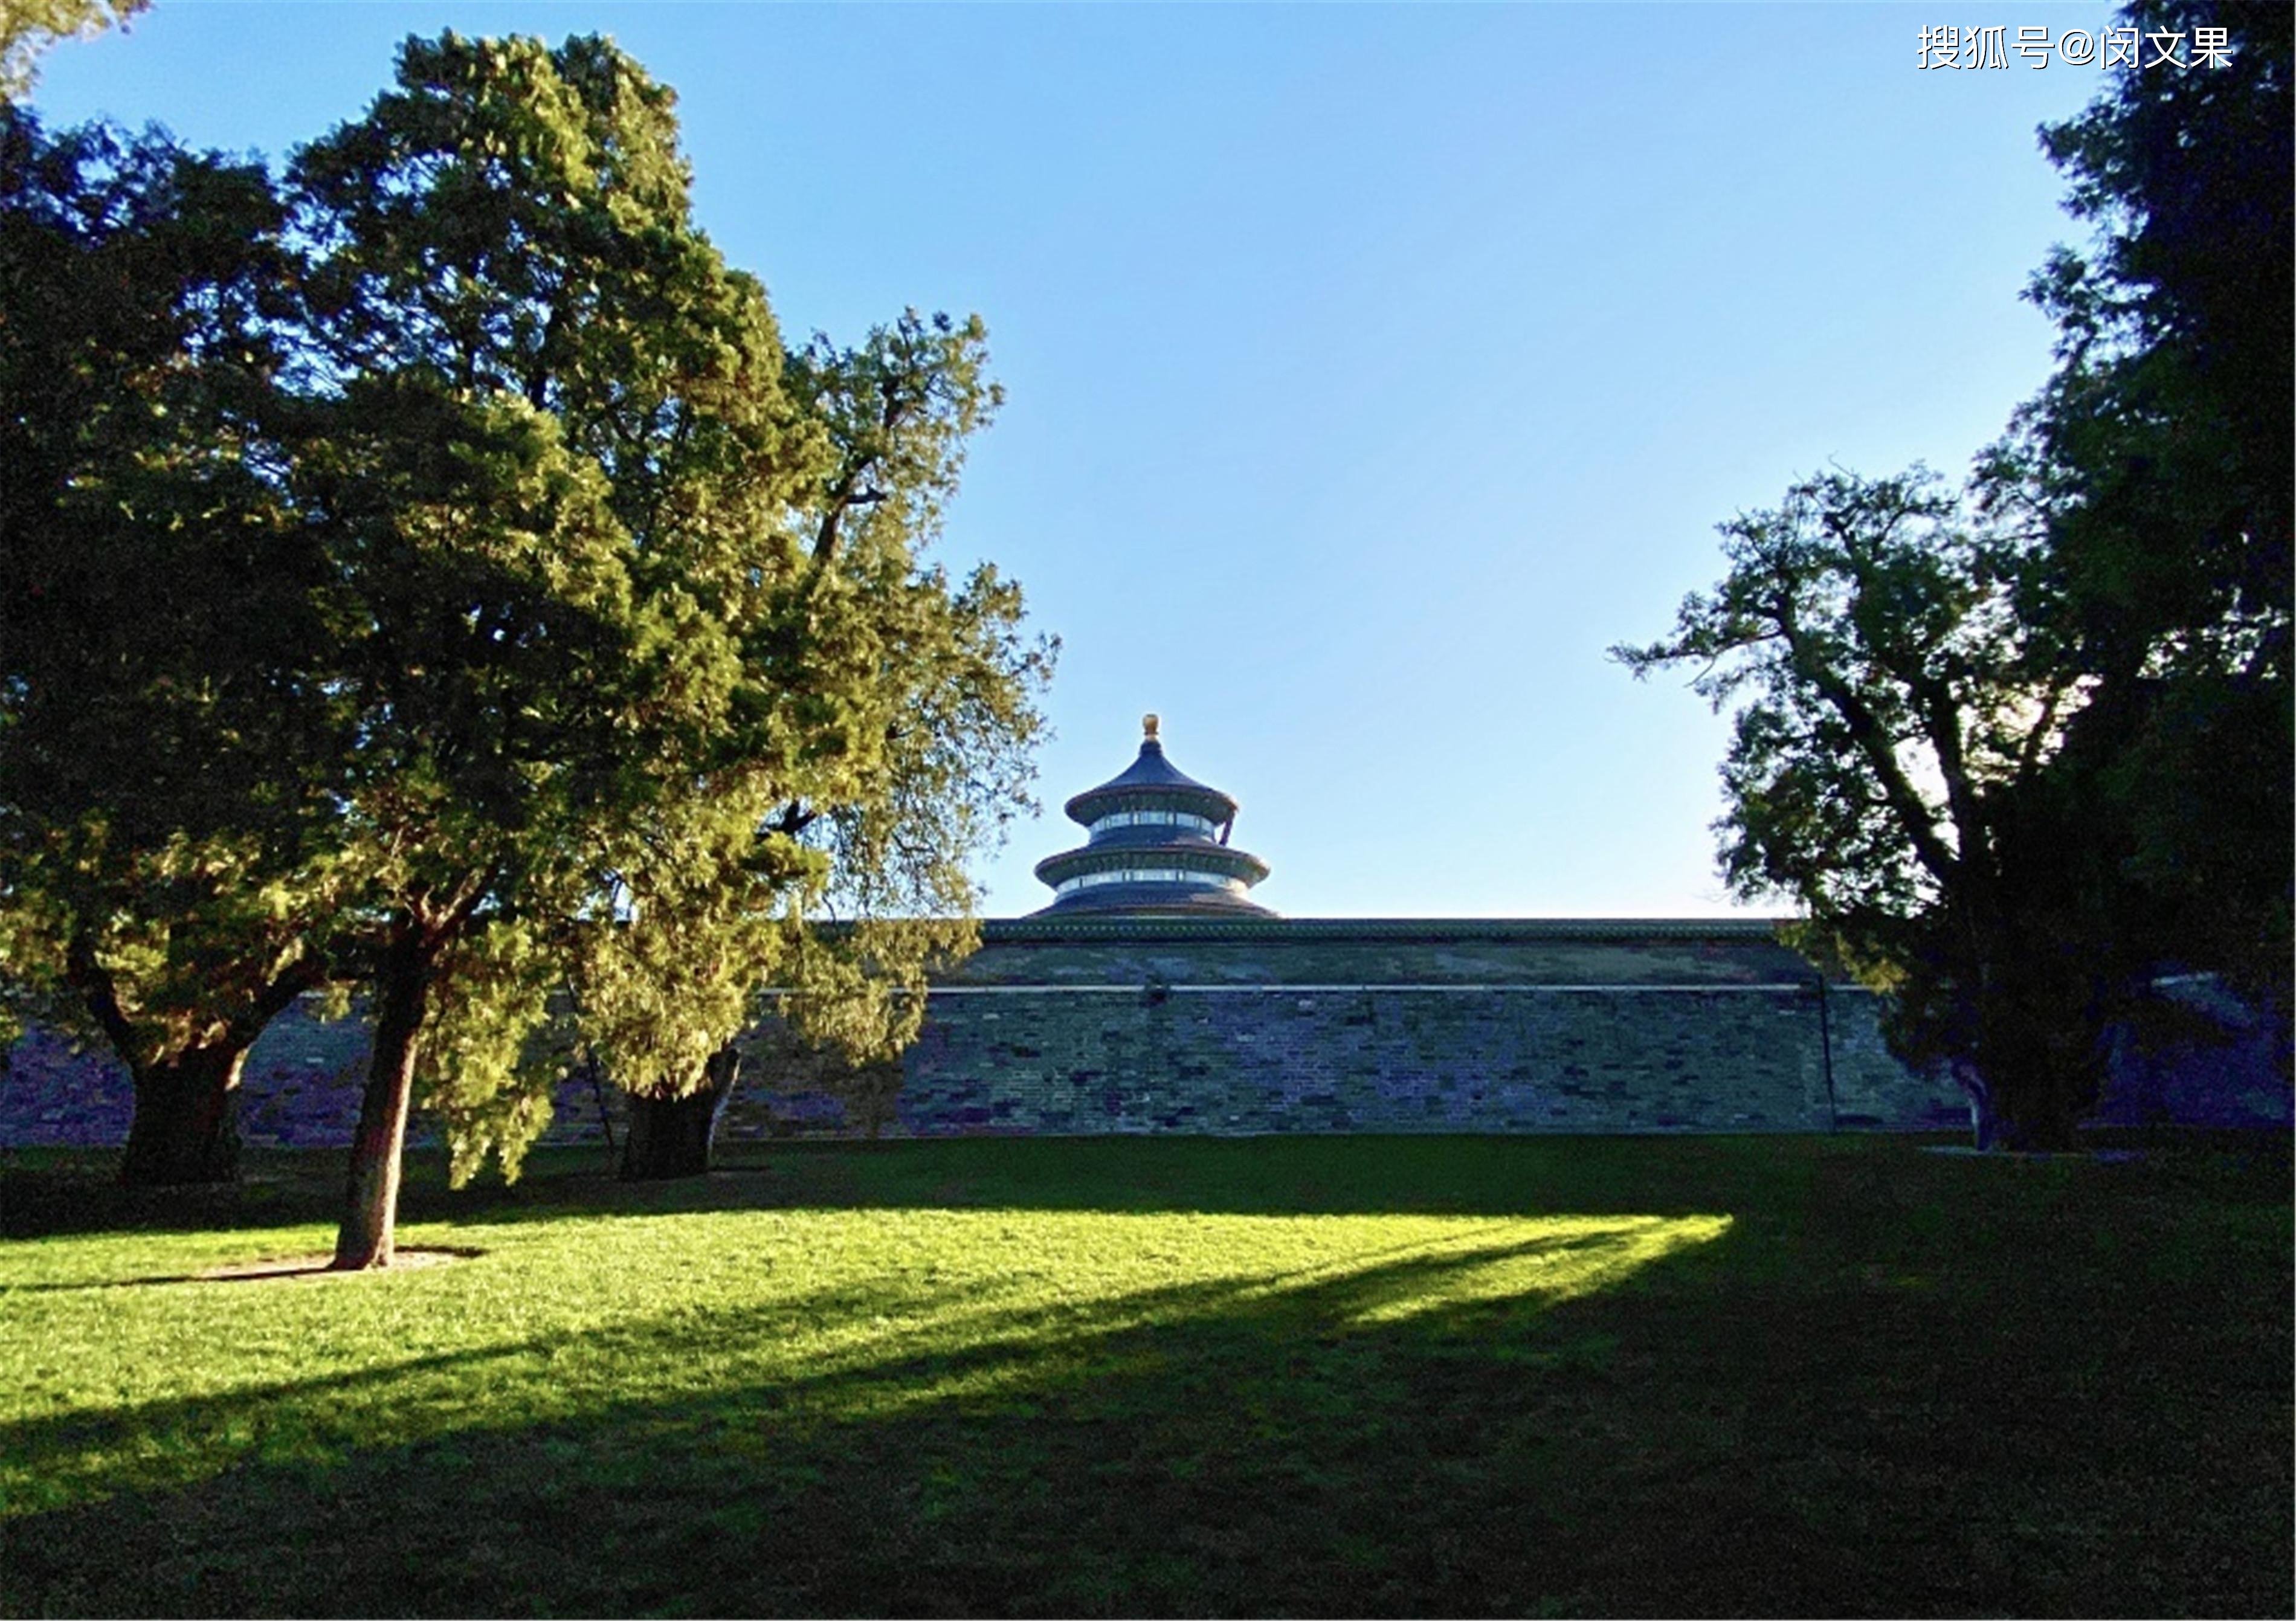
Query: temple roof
[[1151, 776]]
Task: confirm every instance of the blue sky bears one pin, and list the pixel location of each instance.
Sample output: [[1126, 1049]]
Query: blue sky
[[1370, 370]]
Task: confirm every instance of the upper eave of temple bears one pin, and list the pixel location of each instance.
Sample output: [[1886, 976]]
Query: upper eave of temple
[[1151, 781], [1137, 901]]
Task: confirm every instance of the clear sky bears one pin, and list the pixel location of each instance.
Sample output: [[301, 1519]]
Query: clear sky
[[1370, 370]]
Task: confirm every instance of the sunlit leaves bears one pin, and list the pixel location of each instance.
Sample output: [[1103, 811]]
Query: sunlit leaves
[[655, 656], [169, 760], [28, 27], [497, 1053], [440, 562]]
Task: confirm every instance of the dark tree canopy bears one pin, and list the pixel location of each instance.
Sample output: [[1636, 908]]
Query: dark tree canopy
[[166, 825], [2018, 752], [2163, 446], [2155, 468], [1892, 731]]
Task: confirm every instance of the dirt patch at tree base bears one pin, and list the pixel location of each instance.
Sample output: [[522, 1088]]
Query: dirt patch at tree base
[[320, 1265]]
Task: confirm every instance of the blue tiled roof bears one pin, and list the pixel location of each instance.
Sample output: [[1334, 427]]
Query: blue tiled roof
[[1153, 776]]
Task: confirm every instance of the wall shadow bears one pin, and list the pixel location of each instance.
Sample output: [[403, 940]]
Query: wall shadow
[[58, 1193]]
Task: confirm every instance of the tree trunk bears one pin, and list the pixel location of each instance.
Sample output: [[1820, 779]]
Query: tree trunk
[[2040, 1117], [378, 1149], [876, 1092], [669, 1137], [2036, 1080], [183, 1130]]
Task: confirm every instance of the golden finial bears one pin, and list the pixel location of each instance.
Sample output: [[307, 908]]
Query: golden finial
[[1148, 725]]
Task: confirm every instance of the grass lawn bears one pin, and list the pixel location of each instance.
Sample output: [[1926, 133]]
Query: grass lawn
[[1461, 1376]]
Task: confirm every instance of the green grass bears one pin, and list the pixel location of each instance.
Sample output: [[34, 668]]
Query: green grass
[[1463, 1376]]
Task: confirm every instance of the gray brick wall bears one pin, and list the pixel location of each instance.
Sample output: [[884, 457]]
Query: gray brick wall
[[1443, 1060], [1383, 1026], [1262, 1026]]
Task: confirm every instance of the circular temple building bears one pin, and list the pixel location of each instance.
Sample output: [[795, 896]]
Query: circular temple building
[[1156, 843]]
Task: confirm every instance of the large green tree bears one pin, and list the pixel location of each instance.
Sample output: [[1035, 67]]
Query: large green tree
[[623, 616], [1892, 731], [166, 815], [933, 685]]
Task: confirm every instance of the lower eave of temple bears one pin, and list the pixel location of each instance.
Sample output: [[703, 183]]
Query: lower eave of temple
[[1145, 902]]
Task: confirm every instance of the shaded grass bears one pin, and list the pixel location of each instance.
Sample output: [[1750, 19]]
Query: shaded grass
[[1462, 1376]]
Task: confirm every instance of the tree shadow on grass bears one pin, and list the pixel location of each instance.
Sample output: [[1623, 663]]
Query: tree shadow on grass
[[913, 1343], [1273, 1444], [54, 1193], [1209, 1445], [306, 1267]]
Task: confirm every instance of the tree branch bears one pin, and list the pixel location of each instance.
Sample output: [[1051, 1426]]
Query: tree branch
[[1872, 742], [94, 985]]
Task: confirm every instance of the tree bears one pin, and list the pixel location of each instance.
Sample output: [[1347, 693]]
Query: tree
[[2015, 754], [1886, 765], [2156, 465], [934, 685], [610, 653], [28, 27], [551, 476], [166, 813]]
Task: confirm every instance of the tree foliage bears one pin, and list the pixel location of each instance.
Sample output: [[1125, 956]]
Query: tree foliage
[[2156, 462], [926, 687], [167, 834], [1891, 733], [2017, 750], [630, 617], [2160, 449], [30, 26], [488, 608]]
